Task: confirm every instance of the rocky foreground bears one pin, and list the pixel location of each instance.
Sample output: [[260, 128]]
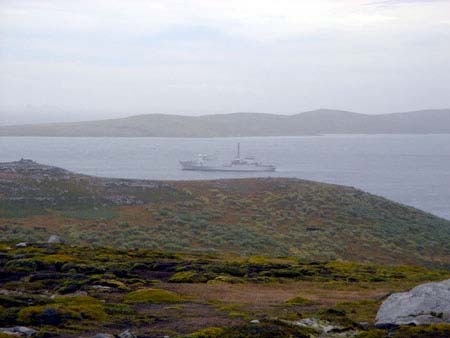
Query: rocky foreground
[[84, 256], [61, 290]]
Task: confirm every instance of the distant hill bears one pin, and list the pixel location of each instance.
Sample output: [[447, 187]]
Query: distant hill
[[265, 216], [246, 124]]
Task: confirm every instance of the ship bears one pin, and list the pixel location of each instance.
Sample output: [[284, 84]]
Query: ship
[[238, 164]]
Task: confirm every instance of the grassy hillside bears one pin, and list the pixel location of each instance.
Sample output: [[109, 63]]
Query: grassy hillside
[[246, 124], [276, 217]]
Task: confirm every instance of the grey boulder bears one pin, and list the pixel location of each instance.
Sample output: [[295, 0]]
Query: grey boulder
[[425, 304], [18, 331], [317, 324], [103, 335], [127, 334], [55, 239]]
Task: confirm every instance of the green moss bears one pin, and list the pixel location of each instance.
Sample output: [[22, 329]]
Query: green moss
[[4, 335], [260, 260], [22, 299], [430, 331], [37, 262], [372, 334], [21, 265], [209, 332], [183, 277], [118, 309], [335, 315], [63, 309], [190, 277], [76, 300], [55, 259], [152, 296], [299, 301], [233, 310], [268, 330], [360, 311], [54, 314]]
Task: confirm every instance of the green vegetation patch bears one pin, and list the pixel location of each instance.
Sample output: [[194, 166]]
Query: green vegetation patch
[[63, 309], [267, 330], [209, 332], [190, 277], [152, 296], [299, 301], [430, 331], [233, 310], [15, 210], [92, 213], [360, 311], [374, 333]]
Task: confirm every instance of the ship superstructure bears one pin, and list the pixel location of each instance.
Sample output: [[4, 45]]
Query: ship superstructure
[[238, 164]]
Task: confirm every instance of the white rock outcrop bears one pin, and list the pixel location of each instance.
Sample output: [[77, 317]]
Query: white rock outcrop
[[18, 331], [425, 304], [55, 239]]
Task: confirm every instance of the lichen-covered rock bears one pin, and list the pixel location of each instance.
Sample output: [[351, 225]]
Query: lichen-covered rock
[[18, 331], [55, 239], [102, 288], [317, 324], [127, 334], [425, 304]]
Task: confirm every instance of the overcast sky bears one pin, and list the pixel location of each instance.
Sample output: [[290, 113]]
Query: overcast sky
[[75, 59]]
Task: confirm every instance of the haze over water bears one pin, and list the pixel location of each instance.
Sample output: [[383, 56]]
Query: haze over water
[[411, 169]]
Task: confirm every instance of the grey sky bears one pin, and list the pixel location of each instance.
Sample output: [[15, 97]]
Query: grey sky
[[70, 60]]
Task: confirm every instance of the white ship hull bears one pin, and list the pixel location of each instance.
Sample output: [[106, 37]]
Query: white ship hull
[[188, 165], [238, 164]]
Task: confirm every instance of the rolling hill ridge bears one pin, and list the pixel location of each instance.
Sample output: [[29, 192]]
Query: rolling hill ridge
[[245, 124]]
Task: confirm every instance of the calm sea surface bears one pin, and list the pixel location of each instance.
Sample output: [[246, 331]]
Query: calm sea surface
[[411, 169]]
